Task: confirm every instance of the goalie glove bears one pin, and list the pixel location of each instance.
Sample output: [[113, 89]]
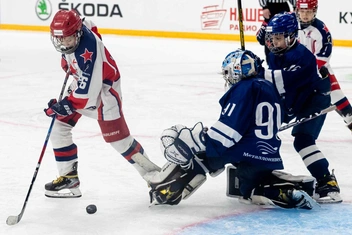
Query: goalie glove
[[180, 144]]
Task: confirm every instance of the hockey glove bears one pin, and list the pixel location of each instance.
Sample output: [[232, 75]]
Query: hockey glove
[[52, 102], [324, 72], [62, 108], [180, 144], [261, 33]]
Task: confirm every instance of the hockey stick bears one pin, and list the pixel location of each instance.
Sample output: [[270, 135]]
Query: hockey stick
[[312, 116], [14, 219], [240, 20]]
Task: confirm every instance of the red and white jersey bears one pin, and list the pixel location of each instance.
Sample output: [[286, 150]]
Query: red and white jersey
[[96, 90], [317, 38]]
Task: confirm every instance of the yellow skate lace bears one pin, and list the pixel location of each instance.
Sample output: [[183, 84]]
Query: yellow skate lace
[[283, 196], [61, 178]]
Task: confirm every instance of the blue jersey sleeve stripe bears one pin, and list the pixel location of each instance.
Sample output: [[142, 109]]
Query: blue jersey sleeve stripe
[[227, 131], [279, 81], [220, 138]]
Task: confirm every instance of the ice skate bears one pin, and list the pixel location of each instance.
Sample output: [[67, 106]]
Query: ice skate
[[64, 187], [328, 190], [293, 198], [300, 199]]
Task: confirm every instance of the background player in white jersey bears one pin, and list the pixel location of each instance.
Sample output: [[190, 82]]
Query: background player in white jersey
[[245, 135], [317, 38], [95, 93]]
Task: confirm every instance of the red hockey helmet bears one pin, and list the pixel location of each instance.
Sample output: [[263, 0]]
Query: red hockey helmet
[[306, 5], [66, 31]]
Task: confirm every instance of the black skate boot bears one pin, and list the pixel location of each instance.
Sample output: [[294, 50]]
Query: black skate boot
[[327, 190], [65, 186]]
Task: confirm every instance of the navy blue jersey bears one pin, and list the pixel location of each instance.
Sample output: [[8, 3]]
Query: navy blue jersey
[[296, 78], [248, 125]]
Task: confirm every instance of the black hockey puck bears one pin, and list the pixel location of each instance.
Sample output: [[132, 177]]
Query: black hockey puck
[[91, 209]]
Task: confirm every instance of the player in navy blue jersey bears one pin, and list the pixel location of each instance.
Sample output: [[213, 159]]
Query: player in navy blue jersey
[[245, 136], [293, 70], [271, 8], [96, 93]]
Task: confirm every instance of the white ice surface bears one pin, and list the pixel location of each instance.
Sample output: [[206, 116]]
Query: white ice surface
[[164, 82]]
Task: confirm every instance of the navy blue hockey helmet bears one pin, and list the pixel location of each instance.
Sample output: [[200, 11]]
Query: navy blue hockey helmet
[[238, 65], [281, 32]]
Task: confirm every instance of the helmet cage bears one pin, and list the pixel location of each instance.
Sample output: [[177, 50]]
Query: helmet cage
[[281, 24], [290, 39], [60, 47], [66, 24]]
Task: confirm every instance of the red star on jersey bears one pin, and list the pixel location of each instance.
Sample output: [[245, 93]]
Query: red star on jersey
[[325, 29], [87, 55]]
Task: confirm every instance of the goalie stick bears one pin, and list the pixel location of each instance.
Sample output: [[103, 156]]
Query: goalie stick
[[312, 116], [240, 21], [14, 219]]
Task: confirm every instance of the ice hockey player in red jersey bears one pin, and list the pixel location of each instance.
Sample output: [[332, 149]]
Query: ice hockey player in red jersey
[[317, 38], [95, 93]]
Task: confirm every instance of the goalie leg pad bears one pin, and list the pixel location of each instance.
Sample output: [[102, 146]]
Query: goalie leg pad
[[165, 187], [281, 190], [193, 185], [241, 180], [300, 182], [294, 199], [233, 183], [173, 183]]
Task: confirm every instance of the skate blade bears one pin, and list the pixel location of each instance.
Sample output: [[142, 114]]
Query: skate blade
[[333, 197], [65, 193]]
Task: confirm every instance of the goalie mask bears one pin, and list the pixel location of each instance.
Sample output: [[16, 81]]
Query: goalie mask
[[238, 65], [66, 31]]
